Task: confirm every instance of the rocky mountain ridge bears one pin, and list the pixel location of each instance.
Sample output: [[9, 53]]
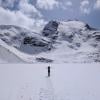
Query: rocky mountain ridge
[[59, 42]]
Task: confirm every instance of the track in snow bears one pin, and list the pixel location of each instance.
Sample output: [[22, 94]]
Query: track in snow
[[27, 92], [47, 93]]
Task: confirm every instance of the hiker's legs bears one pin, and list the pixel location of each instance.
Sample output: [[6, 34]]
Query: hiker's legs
[[48, 73]]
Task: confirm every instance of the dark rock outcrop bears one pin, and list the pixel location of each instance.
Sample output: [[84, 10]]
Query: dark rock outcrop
[[33, 41], [42, 59], [96, 35], [50, 30]]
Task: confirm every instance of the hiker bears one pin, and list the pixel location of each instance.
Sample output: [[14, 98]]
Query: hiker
[[48, 71]]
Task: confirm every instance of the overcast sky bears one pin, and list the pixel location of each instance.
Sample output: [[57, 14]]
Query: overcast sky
[[31, 13]]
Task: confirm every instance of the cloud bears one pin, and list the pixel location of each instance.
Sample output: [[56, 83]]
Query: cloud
[[47, 4], [26, 16], [23, 5], [84, 7], [51, 4], [66, 5], [29, 9], [69, 3], [97, 4], [14, 18], [8, 3]]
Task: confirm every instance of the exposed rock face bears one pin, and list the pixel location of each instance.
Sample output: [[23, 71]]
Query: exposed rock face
[[33, 41], [50, 30], [35, 45], [41, 59], [96, 35]]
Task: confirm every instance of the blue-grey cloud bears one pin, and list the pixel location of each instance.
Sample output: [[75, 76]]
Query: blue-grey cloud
[[84, 6], [21, 13], [38, 11], [47, 4], [97, 4]]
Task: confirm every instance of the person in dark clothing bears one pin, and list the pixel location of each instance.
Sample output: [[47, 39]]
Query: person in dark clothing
[[48, 71]]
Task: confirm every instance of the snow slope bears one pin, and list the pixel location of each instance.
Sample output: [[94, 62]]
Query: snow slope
[[67, 82], [11, 55], [70, 42], [12, 48]]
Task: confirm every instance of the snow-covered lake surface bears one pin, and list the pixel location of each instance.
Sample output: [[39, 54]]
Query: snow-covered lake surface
[[67, 82]]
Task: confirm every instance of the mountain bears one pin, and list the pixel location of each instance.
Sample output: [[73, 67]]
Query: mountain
[[59, 42]]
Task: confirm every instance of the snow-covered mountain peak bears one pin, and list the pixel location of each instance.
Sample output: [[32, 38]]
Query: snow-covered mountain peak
[[73, 27], [72, 24], [59, 42]]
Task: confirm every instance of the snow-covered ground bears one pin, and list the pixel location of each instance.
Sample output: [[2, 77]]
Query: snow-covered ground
[[67, 82]]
